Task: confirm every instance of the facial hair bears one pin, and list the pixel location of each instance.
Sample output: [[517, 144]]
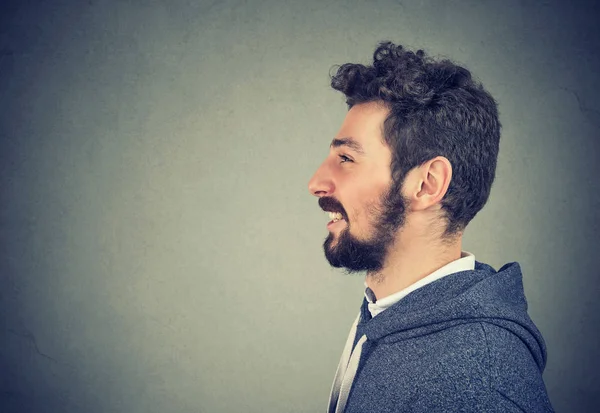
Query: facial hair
[[369, 255]]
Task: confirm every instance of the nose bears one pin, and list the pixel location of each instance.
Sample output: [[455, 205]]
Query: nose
[[321, 183]]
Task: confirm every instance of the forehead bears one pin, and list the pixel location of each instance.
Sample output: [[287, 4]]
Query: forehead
[[364, 124]]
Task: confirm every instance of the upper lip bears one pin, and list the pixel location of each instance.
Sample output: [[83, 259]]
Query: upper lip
[[329, 205], [335, 210]]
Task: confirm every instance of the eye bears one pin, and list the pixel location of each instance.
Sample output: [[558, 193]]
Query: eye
[[344, 158]]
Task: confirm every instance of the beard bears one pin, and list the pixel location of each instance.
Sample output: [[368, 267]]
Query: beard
[[357, 255]]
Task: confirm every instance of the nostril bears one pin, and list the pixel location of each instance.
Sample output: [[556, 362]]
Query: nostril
[[320, 189]]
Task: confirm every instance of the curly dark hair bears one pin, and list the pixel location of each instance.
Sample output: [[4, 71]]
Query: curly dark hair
[[436, 109]]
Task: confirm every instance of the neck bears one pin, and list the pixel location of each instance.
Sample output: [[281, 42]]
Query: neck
[[411, 258]]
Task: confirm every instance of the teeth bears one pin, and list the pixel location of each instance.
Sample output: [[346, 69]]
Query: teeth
[[335, 216]]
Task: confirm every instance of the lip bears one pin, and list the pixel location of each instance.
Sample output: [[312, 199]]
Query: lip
[[333, 225]]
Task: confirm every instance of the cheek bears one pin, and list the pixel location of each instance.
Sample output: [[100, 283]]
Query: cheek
[[362, 217], [365, 204], [371, 210]]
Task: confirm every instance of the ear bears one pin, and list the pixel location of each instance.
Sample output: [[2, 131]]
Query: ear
[[428, 183]]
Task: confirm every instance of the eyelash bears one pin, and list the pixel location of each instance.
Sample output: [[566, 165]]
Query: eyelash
[[345, 159]]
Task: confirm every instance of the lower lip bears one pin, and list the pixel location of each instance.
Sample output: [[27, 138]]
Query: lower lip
[[332, 224]]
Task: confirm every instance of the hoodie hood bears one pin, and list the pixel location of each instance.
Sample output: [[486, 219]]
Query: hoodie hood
[[482, 295]]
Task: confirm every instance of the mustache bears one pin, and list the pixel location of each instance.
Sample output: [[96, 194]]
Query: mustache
[[328, 203]]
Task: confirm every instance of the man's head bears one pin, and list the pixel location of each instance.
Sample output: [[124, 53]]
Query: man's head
[[407, 113]]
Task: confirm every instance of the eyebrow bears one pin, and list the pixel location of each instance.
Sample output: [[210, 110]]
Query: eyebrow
[[348, 142]]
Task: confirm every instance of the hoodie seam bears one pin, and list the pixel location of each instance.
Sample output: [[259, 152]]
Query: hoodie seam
[[508, 399], [490, 379], [489, 357]]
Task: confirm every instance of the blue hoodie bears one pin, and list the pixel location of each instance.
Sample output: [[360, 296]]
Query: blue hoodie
[[463, 343]]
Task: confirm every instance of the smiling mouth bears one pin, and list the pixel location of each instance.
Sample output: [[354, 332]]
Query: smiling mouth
[[335, 216], [337, 220]]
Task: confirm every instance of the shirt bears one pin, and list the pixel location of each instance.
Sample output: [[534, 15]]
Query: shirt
[[466, 262]]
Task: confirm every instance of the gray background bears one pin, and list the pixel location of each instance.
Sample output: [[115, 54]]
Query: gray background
[[159, 247]]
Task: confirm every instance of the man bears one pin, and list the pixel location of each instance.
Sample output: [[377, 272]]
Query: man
[[412, 164]]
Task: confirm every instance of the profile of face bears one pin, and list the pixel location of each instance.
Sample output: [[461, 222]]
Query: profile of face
[[354, 184]]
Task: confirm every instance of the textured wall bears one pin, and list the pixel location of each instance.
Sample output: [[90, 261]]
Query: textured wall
[[159, 247]]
